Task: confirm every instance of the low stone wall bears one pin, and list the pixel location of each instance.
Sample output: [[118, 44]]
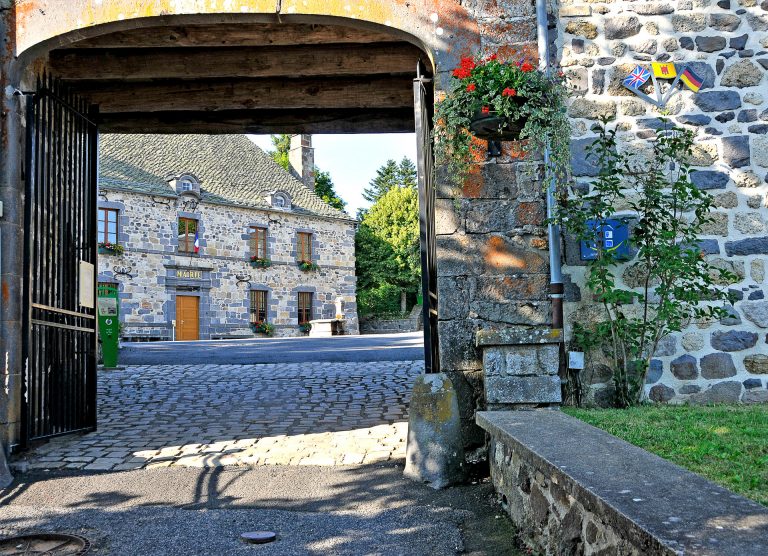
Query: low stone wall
[[412, 323], [572, 489]]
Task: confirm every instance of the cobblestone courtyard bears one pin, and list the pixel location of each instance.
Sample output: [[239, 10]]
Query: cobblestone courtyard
[[213, 415]]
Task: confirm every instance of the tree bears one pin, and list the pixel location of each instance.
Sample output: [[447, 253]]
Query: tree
[[390, 175], [282, 144], [325, 190], [323, 184], [387, 242]]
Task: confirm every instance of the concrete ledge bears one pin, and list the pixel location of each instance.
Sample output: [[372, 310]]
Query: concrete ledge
[[518, 336], [574, 489]]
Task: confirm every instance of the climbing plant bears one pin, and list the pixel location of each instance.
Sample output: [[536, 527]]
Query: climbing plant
[[672, 282]]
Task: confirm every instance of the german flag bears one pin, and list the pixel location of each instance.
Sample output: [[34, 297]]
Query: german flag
[[691, 80]]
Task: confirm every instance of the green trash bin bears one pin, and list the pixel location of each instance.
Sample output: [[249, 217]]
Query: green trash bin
[[109, 323]]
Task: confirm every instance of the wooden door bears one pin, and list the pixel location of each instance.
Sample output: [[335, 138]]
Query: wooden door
[[187, 317]]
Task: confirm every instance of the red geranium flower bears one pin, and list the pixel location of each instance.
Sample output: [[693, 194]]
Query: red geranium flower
[[467, 64], [526, 66], [508, 92], [471, 87], [461, 73], [485, 110], [492, 57]]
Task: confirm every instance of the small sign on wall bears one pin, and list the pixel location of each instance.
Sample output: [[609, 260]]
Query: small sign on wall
[[614, 235], [87, 285]]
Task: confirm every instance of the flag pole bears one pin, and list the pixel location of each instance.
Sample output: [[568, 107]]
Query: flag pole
[[672, 87]]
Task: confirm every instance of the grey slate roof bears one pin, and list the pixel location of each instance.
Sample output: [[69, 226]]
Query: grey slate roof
[[231, 168]]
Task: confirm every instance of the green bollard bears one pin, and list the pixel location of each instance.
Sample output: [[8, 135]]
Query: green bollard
[[109, 323]]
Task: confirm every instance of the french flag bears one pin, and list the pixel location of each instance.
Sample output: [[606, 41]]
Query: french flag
[[197, 242]]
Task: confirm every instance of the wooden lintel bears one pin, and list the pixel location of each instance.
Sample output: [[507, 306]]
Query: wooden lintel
[[201, 63], [213, 95], [247, 34], [262, 121]]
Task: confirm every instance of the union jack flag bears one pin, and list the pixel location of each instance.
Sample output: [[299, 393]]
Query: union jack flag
[[636, 79]]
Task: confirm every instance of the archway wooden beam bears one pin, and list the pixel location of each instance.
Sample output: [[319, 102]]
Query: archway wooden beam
[[245, 34], [396, 120], [244, 94], [234, 62]]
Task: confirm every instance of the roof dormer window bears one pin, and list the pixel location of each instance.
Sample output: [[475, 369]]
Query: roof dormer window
[[279, 200], [185, 184]]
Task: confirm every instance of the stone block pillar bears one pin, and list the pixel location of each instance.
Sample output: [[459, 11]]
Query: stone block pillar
[[520, 367]]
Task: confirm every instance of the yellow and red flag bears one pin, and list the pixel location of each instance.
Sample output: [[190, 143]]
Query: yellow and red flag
[[665, 70]]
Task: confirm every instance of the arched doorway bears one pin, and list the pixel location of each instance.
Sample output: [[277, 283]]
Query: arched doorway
[[174, 76]]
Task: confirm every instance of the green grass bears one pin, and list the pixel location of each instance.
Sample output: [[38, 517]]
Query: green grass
[[727, 444]]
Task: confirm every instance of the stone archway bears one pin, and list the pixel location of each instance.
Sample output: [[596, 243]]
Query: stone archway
[[68, 38]]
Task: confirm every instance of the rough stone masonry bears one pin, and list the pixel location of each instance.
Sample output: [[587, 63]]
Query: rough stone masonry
[[726, 43]]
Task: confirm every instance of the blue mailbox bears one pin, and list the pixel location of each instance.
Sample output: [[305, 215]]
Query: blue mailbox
[[614, 235]]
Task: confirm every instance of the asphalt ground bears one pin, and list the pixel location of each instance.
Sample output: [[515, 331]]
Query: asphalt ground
[[337, 349], [344, 510]]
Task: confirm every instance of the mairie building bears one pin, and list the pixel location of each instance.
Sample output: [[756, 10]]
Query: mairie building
[[207, 237]]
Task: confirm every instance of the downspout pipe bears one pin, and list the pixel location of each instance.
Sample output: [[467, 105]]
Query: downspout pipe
[[556, 288]]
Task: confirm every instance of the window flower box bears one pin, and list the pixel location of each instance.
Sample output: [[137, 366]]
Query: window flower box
[[257, 262], [106, 248], [305, 327], [307, 266], [263, 328]]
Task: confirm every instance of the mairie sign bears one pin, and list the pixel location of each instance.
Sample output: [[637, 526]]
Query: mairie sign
[[662, 70], [189, 273]]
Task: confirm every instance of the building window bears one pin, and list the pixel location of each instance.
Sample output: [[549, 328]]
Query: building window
[[279, 201], [304, 247], [258, 306], [108, 226], [258, 242], [305, 307], [189, 241]]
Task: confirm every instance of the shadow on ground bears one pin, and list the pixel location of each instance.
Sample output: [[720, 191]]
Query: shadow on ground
[[341, 510]]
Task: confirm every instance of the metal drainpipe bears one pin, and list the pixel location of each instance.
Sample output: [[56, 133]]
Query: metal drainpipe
[[555, 265]]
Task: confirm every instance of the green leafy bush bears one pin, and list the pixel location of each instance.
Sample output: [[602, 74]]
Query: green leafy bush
[[383, 300], [672, 282]]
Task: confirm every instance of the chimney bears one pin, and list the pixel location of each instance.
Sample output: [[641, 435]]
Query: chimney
[[302, 159]]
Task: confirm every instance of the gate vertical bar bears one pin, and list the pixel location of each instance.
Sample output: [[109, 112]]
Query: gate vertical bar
[[91, 192], [30, 175], [425, 171]]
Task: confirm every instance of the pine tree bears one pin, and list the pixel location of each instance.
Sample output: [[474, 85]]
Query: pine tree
[[390, 175]]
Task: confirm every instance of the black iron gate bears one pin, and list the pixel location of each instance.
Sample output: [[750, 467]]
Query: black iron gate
[[59, 394], [423, 99]]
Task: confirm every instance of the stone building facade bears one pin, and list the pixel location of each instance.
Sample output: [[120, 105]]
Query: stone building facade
[[726, 43], [227, 190]]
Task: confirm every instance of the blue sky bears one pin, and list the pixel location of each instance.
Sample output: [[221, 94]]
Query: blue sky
[[353, 160]]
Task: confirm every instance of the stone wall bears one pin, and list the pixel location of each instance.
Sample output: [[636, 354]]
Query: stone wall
[[147, 229], [493, 268], [379, 325], [572, 489], [726, 43]]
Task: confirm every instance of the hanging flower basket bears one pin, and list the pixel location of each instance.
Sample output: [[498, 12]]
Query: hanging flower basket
[[498, 101], [493, 127], [106, 248]]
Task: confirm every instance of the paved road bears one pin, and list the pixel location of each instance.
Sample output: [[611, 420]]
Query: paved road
[[352, 349], [316, 511]]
